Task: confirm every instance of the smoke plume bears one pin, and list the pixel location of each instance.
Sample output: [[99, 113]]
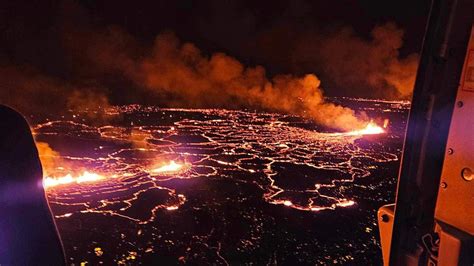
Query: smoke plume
[[184, 76], [50, 159], [32, 92], [103, 65], [355, 64]]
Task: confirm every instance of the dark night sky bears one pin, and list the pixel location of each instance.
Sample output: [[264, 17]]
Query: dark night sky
[[231, 26], [266, 33]]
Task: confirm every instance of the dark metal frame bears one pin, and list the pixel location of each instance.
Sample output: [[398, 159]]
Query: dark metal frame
[[444, 49]]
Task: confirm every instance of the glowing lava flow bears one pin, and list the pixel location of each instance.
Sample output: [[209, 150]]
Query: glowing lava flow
[[243, 147], [69, 179], [170, 169], [370, 129], [188, 166]]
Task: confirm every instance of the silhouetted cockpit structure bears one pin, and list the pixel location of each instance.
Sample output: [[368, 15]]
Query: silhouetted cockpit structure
[[28, 234]]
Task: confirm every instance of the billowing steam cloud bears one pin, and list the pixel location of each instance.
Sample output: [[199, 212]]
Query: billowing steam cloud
[[353, 63], [221, 80], [172, 73], [184, 76], [32, 92], [50, 159]]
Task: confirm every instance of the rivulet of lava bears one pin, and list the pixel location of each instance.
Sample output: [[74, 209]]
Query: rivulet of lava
[[126, 163], [199, 185]]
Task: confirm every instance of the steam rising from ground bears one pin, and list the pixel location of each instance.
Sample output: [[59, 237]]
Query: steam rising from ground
[[33, 92], [49, 157], [51, 160], [182, 75], [221, 80], [354, 63], [177, 74]]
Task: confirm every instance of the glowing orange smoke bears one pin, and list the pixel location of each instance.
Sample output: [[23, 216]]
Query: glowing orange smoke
[[69, 179]]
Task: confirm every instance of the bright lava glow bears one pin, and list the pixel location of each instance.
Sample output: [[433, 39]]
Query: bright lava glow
[[346, 203], [68, 179], [172, 208], [370, 129], [255, 151], [171, 168]]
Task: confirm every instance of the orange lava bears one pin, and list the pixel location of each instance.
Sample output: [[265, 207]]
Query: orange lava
[[69, 179], [371, 129], [170, 169]]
